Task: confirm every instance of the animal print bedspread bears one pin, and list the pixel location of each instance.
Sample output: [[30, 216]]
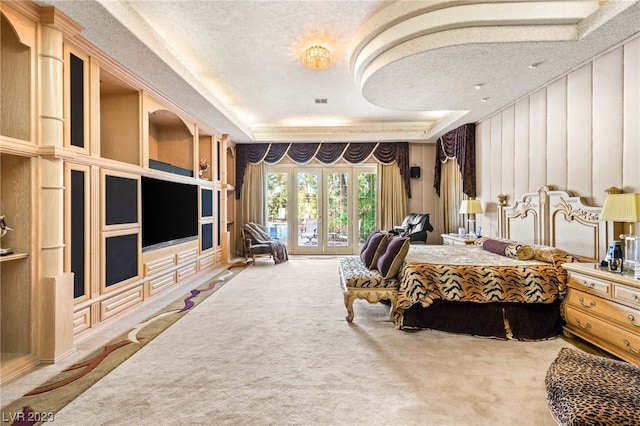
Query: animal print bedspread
[[469, 273]]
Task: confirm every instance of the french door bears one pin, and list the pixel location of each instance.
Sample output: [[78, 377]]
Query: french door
[[322, 210]]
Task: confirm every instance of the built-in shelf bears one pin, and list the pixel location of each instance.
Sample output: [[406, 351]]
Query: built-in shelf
[[13, 256], [170, 141], [119, 120]]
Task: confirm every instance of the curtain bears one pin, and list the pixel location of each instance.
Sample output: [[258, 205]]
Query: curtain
[[252, 202], [461, 145], [392, 198], [451, 196], [325, 153]]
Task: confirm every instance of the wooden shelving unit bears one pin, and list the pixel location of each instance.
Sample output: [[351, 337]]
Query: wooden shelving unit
[[98, 124]]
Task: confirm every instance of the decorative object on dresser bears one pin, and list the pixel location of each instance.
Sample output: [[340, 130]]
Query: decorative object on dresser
[[620, 207], [603, 308], [471, 208], [3, 231]]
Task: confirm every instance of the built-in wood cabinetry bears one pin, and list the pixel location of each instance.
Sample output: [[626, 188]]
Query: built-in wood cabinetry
[[603, 308], [79, 137]]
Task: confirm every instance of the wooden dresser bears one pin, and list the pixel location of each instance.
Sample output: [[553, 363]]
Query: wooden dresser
[[603, 308], [456, 240]]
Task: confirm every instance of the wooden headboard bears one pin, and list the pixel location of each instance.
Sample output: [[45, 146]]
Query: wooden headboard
[[554, 218]]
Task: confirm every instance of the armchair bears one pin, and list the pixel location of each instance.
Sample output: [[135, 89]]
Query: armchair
[[258, 243], [415, 226]]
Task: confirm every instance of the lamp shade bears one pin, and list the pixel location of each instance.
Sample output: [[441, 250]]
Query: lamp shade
[[621, 208], [470, 207]]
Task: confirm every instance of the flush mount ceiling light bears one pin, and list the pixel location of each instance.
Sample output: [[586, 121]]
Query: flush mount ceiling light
[[317, 58]]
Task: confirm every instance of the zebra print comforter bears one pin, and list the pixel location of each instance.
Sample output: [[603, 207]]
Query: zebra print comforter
[[469, 273]]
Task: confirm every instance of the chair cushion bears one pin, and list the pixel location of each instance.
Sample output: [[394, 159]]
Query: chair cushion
[[261, 248], [353, 274], [388, 264]]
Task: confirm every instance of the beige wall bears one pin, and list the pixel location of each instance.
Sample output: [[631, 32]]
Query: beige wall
[[580, 133], [423, 195]]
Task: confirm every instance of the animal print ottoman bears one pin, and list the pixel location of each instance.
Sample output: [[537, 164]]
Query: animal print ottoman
[[584, 389]]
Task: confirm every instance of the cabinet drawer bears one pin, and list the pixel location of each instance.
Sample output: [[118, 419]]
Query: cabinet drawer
[[627, 294], [120, 303], [585, 282], [607, 309], [618, 341], [186, 271], [161, 283]]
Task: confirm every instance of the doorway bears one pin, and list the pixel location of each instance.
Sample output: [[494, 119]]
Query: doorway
[[317, 210]]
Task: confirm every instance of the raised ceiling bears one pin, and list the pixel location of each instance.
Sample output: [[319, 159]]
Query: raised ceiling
[[402, 70]]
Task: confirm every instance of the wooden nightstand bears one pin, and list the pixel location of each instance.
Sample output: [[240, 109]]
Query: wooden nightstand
[[603, 308], [456, 240]]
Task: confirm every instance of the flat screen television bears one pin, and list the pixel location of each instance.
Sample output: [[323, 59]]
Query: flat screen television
[[169, 213]]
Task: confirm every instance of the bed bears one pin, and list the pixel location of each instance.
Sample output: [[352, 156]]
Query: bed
[[467, 289]]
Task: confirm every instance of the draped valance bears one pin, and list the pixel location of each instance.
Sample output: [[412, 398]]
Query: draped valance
[[461, 145], [325, 153]]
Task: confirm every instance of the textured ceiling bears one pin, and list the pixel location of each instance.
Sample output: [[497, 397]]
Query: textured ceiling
[[401, 70]]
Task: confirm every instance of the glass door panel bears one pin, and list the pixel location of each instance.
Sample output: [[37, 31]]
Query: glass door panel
[[322, 210], [337, 218], [308, 237], [277, 202], [367, 205]]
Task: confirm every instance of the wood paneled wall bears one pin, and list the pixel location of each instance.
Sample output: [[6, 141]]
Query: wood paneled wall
[[579, 133]]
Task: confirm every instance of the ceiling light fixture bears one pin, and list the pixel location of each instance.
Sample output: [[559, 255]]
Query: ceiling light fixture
[[535, 66], [478, 86], [317, 58], [484, 99]]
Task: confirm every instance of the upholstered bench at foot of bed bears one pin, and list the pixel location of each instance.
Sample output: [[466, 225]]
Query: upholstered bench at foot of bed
[[358, 282], [585, 389]]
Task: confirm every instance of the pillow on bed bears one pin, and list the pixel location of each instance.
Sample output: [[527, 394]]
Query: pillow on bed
[[546, 253], [369, 253], [509, 249], [389, 262]]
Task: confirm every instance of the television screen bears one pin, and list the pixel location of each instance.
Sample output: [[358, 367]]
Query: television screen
[[169, 212]]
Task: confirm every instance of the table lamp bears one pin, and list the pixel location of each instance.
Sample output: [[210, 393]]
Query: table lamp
[[471, 207], [625, 208]]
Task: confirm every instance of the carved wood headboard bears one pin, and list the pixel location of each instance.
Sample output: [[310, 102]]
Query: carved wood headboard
[[554, 218]]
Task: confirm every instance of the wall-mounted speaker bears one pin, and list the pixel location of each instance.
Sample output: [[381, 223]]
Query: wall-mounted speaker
[[414, 172]]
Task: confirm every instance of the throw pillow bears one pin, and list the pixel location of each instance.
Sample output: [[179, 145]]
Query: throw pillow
[[366, 243], [390, 261], [382, 247], [368, 252], [546, 253], [508, 248]]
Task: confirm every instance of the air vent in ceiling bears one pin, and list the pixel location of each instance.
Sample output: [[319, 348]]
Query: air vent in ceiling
[[321, 100]]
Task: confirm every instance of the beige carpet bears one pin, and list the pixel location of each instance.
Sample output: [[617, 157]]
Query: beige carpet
[[272, 347]]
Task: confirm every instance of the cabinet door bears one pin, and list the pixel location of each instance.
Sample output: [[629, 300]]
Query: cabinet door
[[77, 217]]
